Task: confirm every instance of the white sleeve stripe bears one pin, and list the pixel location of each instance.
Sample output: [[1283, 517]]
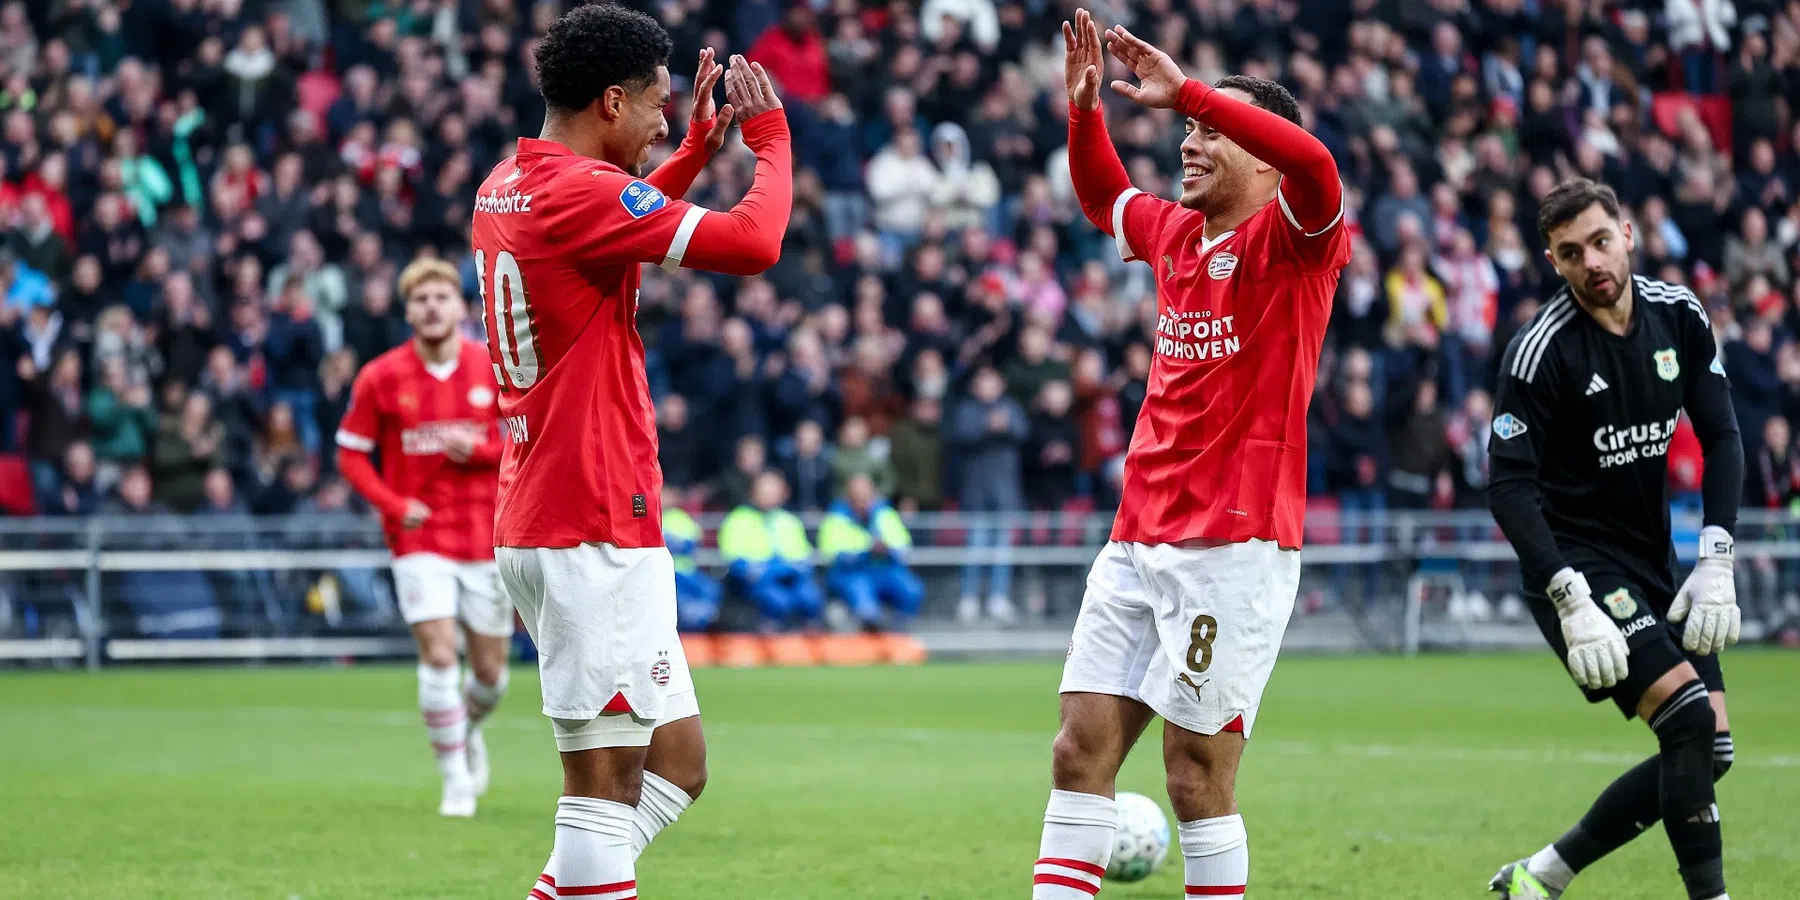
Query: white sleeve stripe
[[683, 234], [1119, 223], [1289, 213], [350, 440]]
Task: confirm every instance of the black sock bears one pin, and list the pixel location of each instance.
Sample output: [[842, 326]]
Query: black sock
[[1629, 805], [1684, 729]]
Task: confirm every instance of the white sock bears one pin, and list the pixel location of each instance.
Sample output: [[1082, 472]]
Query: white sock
[[480, 697], [1548, 866], [1217, 856], [592, 858], [659, 805], [446, 724], [1077, 844]]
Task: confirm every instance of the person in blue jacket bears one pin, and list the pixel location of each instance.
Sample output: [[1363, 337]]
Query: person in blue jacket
[[865, 545], [769, 557], [696, 593]]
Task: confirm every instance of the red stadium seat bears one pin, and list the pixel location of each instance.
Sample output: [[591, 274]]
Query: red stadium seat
[[1323, 528], [15, 486]]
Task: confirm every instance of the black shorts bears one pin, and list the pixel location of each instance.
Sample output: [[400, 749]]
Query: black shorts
[[1653, 642]]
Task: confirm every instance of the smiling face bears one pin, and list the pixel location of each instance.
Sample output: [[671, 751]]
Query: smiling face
[[639, 121], [1215, 171]]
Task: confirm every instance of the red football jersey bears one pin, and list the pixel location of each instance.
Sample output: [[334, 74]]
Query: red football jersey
[[1219, 451], [403, 411], [558, 239]]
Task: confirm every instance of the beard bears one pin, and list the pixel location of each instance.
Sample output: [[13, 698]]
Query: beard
[[1215, 192], [1605, 298]]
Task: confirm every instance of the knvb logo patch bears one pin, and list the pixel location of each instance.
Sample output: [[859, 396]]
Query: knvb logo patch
[[641, 199], [1507, 426]]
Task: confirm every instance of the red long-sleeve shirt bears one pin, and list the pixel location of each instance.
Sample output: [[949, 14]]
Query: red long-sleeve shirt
[[1219, 450], [558, 239], [406, 410]]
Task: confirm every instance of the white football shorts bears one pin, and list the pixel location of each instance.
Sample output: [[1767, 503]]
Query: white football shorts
[[437, 587], [1191, 632], [603, 620]]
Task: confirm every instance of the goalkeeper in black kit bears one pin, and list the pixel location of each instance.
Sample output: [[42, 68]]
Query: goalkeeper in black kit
[[1589, 394]]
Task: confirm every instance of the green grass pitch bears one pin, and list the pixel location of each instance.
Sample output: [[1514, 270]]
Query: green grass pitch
[[1368, 779]]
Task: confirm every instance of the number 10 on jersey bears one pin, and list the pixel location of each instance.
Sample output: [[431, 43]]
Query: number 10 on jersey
[[507, 306]]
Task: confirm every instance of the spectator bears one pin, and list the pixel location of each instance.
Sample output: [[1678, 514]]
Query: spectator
[[278, 444], [23, 287], [184, 332], [681, 448], [35, 243], [1417, 304], [732, 488], [966, 189], [74, 491], [375, 326], [1750, 252], [809, 468], [122, 420], [917, 443], [769, 557], [697, 594], [56, 412], [1756, 385], [1034, 367], [989, 430], [1418, 450], [336, 375], [855, 455], [902, 183], [295, 347], [189, 443], [795, 56], [1402, 198], [1052, 463], [864, 544], [1360, 461]]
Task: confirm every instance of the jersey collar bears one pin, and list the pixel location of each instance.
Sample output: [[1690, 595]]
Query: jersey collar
[[538, 147]]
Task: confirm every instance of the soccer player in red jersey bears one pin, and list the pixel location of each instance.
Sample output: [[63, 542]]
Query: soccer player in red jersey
[[428, 407], [1186, 605], [559, 233]]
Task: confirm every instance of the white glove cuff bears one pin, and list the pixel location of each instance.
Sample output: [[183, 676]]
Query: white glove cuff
[[1716, 543], [1569, 590]]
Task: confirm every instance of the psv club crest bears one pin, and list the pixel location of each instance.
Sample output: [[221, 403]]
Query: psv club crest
[[1667, 368], [1221, 265], [1620, 604]]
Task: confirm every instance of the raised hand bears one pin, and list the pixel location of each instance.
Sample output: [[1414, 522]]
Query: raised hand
[[748, 88], [1082, 60], [705, 77], [1159, 78]]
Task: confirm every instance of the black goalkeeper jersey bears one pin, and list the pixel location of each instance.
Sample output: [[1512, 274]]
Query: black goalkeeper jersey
[[1582, 422]]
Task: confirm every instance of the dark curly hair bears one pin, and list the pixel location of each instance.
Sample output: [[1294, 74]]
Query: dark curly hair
[[591, 48], [1572, 198], [1264, 94]]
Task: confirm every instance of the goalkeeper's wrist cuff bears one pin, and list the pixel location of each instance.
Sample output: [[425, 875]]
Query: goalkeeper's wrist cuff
[[1716, 543], [1568, 589]]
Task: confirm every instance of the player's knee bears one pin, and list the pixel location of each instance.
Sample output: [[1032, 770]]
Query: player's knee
[[693, 781], [1079, 753], [1723, 751], [1199, 790], [438, 654], [1685, 717]]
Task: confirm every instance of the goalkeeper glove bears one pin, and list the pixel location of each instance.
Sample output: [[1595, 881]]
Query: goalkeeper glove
[[1597, 651], [1708, 599]]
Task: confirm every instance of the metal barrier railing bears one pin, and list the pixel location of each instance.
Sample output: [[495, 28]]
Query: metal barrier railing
[[72, 571]]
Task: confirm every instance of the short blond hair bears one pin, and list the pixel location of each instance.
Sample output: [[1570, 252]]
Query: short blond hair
[[425, 271]]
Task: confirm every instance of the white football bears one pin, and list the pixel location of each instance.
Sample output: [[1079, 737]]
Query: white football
[[1142, 841]]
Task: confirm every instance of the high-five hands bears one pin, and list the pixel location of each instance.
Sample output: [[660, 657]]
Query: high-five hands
[[1159, 78], [705, 77], [1082, 60], [748, 88]]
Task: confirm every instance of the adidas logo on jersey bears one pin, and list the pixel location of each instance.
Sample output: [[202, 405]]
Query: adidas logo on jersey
[[1596, 385]]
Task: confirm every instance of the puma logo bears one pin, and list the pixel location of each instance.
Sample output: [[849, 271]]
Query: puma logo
[[1184, 679]]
